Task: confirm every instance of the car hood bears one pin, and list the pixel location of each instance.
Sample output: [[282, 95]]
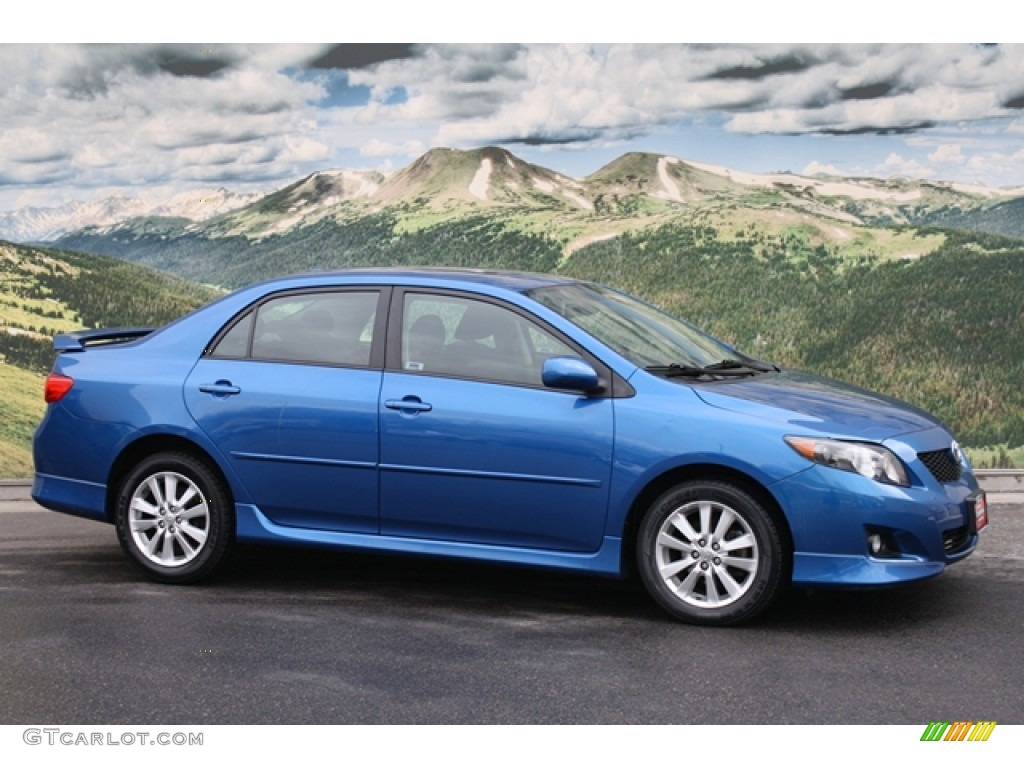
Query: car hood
[[818, 404]]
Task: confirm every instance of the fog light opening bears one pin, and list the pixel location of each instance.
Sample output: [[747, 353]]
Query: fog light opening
[[882, 544]]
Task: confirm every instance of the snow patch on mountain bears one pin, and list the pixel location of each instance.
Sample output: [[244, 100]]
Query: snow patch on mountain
[[549, 188], [355, 183], [977, 189], [201, 204], [481, 179], [582, 202], [671, 188], [282, 225], [582, 242], [42, 224], [45, 224], [824, 187]]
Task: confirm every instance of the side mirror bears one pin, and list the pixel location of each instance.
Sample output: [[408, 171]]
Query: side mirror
[[570, 373]]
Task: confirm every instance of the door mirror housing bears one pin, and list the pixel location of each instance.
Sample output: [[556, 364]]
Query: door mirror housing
[[570, 373]]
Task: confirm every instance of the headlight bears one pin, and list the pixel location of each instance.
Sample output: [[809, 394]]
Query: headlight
[[958, 453], [866, 459]]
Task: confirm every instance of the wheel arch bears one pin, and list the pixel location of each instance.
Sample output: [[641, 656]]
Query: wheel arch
[[701, 472], [150, 445]]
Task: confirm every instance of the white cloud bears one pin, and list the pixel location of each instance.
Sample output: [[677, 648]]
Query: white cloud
[[997, 165], [135, 115], [564, 92], [378, 148], [30, 146], [814, 168], [947, 154], [109, 116], [897, 165]]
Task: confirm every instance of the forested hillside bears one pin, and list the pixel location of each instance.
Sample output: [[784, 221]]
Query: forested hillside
[[943, 331], [472, 241]]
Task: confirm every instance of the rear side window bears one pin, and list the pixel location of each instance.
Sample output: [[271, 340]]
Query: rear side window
[[332, 328], [235, 343]]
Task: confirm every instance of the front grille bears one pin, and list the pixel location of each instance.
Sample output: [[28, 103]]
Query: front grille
[[942, 464], [955, 539]]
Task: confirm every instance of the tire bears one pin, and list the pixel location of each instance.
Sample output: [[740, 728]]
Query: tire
[[710, 554], [175, 518]]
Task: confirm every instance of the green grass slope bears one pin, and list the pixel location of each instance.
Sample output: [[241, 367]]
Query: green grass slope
[[21, 393]]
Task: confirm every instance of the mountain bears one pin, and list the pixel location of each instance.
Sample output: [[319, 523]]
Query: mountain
[[1004, 217], [33, 224], [39, 224], [301, 203], [343, 217], [483, 177], [45, 291], [634, 191]]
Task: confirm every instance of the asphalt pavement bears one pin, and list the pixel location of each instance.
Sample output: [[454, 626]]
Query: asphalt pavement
[[309, 636]]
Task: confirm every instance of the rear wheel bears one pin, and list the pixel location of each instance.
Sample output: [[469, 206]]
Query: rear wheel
[[709, 553], [175, 518]]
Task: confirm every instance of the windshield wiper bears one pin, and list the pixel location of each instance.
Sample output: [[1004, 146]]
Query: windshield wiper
[[723, 368], [746, 362]]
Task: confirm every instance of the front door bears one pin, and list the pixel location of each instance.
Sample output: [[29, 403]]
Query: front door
[[473, 447]]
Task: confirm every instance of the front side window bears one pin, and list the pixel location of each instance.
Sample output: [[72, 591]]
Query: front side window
[[458, 336], [332, 328]]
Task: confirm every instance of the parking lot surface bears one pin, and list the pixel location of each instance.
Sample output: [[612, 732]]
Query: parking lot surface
[[306, 636]]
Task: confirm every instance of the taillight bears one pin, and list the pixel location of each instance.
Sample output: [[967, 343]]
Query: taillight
[[57, 385]]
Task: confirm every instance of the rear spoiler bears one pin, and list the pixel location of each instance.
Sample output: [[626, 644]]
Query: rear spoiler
[[79, 340]]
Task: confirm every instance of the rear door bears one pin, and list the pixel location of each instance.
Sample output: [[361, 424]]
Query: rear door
[[289, 395]]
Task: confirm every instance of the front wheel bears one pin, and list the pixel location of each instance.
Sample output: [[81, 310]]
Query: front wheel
[[709, 553], [175, 518]]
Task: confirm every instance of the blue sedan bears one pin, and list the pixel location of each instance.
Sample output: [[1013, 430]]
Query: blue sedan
[[516, 418]]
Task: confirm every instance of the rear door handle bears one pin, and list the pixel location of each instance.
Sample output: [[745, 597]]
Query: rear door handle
[[221, 388], [408, 404]]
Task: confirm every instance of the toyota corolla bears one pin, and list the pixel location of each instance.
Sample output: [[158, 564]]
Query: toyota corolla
[[516, 418]]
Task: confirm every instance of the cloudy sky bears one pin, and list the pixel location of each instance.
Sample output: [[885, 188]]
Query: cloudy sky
[[79, 122]]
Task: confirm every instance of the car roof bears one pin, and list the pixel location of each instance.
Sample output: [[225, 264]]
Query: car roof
[[509, 280]]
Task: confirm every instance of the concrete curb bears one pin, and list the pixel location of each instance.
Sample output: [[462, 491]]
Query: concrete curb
[[1004, 486], [15, 490]]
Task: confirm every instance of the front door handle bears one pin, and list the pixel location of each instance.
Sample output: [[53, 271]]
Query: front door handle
[[221, 388], [408, 404]]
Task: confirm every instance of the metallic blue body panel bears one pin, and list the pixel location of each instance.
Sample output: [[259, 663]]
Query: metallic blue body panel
[[295, 436], [74, 497], [473, 469], [253, 526]]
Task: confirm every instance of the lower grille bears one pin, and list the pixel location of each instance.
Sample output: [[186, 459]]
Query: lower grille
[[942, 464], [955, 539]]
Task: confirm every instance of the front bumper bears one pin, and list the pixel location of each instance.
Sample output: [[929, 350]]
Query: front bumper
[[833, 515]]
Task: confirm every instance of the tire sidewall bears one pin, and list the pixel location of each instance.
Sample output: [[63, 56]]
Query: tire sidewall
[[220, 534], [770, 567]]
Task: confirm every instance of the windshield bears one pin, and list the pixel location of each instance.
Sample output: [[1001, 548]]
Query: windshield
[[642, 334]]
